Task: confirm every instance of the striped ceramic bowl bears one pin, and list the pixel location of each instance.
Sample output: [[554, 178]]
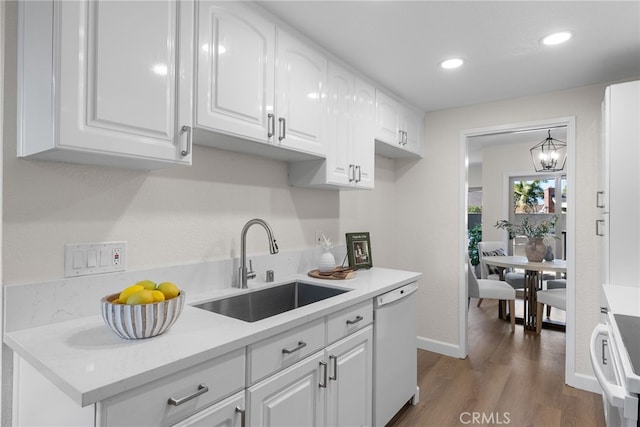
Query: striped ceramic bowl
[[140, 321]]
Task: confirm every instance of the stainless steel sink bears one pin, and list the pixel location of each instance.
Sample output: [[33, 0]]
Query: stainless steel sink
[[258, 305]]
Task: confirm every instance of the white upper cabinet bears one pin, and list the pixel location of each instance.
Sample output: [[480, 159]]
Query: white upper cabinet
[[236, 65], [362, 147], [301, 75], [350, 111], [94, 88], [257, 84], [398, 128], [620, 203]]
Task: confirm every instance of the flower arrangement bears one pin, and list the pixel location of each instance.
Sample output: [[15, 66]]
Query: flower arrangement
[[325, 243], [528, 228]]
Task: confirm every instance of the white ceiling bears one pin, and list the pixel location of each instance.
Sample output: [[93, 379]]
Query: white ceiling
[[399, 44]]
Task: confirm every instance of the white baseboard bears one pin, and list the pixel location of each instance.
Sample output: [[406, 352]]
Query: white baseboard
[[440, 347], [584, 382]]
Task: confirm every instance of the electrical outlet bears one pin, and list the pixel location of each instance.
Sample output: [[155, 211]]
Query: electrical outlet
[[82, 259], [318, 237], [116, 255]]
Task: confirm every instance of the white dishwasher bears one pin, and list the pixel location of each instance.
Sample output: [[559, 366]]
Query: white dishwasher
[[395, 361]]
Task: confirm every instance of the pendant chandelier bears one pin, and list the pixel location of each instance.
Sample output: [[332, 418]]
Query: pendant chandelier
[[549, 155]]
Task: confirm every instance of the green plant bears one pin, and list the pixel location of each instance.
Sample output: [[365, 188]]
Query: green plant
[[475, 237], [526, 195], [527, 228], [474, 209]]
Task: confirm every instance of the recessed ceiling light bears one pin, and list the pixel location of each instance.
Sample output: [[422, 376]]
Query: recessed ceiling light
[[556, 38], [451, 63]]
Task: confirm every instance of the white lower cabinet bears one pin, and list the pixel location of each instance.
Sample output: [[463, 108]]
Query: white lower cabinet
[[176, 397], [349, 387], [38, 402], [333, 387], [228, 413], [292, 397]]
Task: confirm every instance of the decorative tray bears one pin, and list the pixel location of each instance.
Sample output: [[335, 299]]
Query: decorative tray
[[338, 273]]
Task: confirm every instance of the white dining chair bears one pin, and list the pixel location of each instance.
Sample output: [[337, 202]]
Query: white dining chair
[[492, 289], [555, 284], [550, 297], [516, 280]]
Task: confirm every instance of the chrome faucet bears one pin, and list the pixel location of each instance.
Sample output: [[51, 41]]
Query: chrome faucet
[[244, 273]]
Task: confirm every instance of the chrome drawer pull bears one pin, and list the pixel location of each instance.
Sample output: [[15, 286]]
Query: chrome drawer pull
[[202, 389], [271, 125], [323, 365], [242, 413], [187, 130], [301, 344], [283, 128], [356, 320], [334, 358]]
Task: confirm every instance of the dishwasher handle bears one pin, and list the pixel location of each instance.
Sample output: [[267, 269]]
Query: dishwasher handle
[[396, 294]]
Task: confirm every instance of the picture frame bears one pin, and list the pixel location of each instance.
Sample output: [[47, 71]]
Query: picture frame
[[359, 250]]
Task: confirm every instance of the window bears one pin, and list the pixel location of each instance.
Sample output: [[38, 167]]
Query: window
[[539, 197]]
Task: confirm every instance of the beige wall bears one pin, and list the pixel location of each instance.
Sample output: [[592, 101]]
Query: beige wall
[[429, 207]]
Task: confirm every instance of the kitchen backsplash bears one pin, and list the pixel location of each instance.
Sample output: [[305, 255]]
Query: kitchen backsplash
[[37, 304]]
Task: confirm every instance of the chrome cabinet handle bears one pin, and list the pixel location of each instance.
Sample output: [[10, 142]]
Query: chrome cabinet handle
[[335, 367], [202, 389], [404, 139], [323, 365], [271, 125], [400, 135], [283, 128], [240, 410], [301, 344], [600, 199], [352, 173], [604, 357], [359, 173], [599, 223], [356, 320], [186, 129]]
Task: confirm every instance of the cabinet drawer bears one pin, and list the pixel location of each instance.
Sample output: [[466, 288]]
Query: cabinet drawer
[[349, 320], [148, 405], [285, 349]]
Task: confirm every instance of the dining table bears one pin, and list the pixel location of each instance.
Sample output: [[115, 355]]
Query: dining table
[[533, 278]]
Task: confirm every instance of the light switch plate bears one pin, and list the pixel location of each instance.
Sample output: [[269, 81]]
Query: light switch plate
[[82, 259]]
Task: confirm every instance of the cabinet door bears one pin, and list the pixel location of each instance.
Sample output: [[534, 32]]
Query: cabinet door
[[291, 397], [340, 167], [624, 183], [301, 76], [388, 116], [228, 413], [38, 402], [412, 124], [119, 86], [362, 147], [235, 83], [349, 392]]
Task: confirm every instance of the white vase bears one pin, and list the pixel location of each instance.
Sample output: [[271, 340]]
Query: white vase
[[326, 262]]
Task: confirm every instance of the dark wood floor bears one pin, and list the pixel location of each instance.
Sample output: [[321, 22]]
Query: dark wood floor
[[507, 379]]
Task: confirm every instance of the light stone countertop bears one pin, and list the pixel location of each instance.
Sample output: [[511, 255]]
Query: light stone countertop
[[86, 360]]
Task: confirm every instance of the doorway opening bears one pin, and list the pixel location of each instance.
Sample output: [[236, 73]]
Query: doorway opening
[[501, 209]]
